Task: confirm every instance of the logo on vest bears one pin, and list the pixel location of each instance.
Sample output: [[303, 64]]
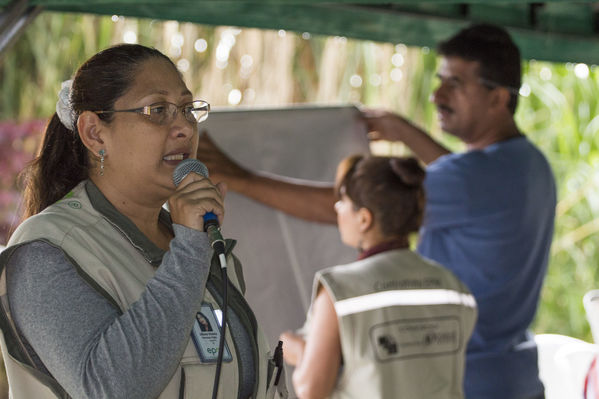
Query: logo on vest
[[412, 338], [74, 204], [388, 344], [407, 284]]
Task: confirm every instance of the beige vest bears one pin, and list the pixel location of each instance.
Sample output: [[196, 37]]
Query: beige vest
[[404, 323], [121, 271]]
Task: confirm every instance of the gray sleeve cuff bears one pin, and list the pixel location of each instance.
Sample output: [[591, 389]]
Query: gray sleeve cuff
[[190, 240]]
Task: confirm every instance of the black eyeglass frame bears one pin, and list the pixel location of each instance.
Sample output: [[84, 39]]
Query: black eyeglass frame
[[146, 110], [493, 85]]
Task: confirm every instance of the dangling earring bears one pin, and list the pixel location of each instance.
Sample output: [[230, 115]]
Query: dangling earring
[[101, 153]]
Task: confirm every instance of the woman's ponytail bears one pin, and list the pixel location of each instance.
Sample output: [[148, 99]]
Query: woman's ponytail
[[60, 165]]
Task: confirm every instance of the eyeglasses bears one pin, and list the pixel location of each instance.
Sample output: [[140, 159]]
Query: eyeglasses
[[492, 85], [163, 113]]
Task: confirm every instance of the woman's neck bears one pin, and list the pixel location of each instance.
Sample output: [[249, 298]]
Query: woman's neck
[[144, 214], [374, 237], [148, 222], [389, 244]]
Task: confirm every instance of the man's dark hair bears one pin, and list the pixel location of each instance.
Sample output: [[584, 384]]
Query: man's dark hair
[[494, 49]]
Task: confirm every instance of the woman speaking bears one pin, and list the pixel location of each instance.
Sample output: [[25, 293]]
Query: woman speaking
[[101, 287]]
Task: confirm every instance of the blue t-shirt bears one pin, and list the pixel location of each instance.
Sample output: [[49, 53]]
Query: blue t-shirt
[[489, 218]]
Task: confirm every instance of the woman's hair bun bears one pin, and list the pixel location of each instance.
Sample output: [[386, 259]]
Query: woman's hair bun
[[408, 170]]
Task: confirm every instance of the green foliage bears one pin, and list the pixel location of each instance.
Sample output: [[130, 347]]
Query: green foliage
[[47, 54], [420, 108], [561, 115]]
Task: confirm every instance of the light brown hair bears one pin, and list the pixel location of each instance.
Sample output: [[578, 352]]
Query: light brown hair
[[391, 188]]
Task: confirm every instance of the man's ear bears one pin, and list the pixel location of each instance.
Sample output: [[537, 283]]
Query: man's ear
[[91, 131], [365, 219], [501, 98]]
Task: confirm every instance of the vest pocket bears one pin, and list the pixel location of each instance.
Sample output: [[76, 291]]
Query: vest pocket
[[190, 355], [199, 381]]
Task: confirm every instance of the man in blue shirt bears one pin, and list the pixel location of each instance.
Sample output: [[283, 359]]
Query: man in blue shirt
[[490, 210]]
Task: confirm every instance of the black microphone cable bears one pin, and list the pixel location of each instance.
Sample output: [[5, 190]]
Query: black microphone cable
[[223, 329], [218, 244]]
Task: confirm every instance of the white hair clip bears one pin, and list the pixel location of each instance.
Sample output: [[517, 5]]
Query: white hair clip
[[64, 107]]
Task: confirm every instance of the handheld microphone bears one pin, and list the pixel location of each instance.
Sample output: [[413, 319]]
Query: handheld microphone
[[211, 226]]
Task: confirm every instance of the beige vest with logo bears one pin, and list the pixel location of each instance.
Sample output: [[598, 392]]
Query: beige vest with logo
[[107, 256], [404, 323]]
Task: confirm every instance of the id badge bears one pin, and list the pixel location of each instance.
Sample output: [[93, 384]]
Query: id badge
[[206, 335]]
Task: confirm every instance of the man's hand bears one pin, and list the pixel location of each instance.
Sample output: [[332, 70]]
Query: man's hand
[[302, 199], [221, 167], [384, 125]]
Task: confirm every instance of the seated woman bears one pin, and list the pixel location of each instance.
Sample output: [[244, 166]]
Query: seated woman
[[392, 324], [100, 285]]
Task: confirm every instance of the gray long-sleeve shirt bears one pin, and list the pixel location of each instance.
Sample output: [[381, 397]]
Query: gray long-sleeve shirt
[[85, 343], [92, 349]]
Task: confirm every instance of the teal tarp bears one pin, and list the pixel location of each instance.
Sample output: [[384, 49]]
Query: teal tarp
[[553, 30]]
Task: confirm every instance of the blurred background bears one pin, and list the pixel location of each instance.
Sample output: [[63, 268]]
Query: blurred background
[[232, 67]]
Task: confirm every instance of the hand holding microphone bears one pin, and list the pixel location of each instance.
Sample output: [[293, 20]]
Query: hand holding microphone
[[198, 204]]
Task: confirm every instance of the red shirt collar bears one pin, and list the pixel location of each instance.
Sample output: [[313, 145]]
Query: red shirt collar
[[385, 246]]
